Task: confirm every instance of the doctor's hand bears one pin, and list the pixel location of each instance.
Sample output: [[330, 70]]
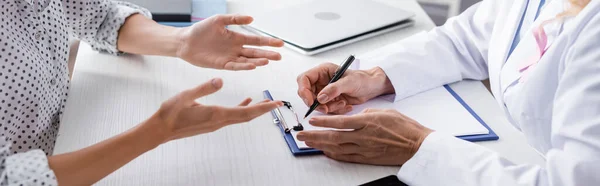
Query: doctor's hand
[[181, 116], [380, 137], [355, 87], [210, 44]]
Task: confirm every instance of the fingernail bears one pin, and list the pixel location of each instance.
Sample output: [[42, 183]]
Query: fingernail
[[311, 120], [301, 136], [323, 98], [216, 82], [309, 144]]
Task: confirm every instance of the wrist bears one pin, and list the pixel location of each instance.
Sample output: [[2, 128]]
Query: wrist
[[383, 85], [176, 41], [419, 141], [153, 131], [181, 36]]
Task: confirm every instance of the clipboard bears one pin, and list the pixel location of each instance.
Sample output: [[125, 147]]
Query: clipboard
[[289, 139], [296, 151]]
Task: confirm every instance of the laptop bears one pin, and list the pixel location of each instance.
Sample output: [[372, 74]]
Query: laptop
[[322, 25]]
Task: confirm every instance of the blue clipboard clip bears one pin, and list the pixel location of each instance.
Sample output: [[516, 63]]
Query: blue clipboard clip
[[278, 118], [285, 130], [289, 139]]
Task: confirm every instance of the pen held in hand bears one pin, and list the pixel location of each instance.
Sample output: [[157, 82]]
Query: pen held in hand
[[338, 74]]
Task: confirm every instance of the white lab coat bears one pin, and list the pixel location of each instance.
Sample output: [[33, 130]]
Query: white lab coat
[[557, 107]]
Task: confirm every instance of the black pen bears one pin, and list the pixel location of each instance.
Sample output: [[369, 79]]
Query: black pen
[[338, 74]]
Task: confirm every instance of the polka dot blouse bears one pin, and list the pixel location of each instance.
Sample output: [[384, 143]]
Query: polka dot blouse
[[34, 77]]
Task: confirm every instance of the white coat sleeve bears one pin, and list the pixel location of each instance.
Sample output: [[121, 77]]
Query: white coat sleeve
[[453, 52], [574, 156]]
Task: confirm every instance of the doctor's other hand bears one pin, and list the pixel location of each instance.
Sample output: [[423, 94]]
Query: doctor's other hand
[[181, 116], [210, 44], [355, 87], [379, 137]]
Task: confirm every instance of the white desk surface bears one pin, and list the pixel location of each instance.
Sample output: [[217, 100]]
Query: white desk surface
[[112, 94]]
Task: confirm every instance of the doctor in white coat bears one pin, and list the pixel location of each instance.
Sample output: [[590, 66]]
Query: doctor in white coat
[[543, 61]]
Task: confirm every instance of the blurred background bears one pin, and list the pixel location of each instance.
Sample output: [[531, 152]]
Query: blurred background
[[179, 10], [441, 10]]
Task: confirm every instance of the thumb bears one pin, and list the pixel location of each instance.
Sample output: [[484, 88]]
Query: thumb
[[334, 90], [206, 88]]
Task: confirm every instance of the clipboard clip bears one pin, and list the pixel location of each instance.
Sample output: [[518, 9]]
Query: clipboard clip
[[284, 124]]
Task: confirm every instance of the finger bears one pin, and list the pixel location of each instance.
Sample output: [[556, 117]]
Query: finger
[[336, 105], [317, 74], [261, 41], [346, 148], [333, 90], [371, 110], [247, 113], [308, 81], [341, 122], [345, 110], [327, 136], [230, 19], [305, 90], [256, 62], [259, 53], [322, 109], [306, 95], [245, 102], [206, 88], [235, 66]]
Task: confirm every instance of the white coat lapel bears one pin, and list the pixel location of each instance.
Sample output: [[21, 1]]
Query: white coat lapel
[[504, 39], [528, 48]]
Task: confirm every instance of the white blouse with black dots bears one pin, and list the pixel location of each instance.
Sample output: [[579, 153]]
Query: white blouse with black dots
[[34, 77]]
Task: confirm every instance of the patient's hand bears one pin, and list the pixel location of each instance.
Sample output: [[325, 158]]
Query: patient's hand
[[181, 116], [210, 44]]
